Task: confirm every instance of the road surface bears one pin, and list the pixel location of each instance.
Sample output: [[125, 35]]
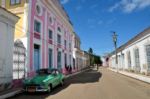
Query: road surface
[[93, 84]]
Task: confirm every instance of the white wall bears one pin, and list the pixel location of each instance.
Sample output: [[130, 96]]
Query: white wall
[[7, 23], [141, 45]]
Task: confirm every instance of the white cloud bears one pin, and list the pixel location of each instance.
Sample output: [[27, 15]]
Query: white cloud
[[64, 1], [129, 6]]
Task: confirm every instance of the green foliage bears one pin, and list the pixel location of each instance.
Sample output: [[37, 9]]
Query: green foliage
[[94, 59]]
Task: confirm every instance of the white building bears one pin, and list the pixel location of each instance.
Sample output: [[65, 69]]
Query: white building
[[7, 24], [134, 55]]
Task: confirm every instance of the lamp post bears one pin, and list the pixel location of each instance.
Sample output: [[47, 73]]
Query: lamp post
[[114, 36]]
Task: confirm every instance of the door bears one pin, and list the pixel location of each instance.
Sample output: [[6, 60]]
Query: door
[[50, 58], [36, 57]]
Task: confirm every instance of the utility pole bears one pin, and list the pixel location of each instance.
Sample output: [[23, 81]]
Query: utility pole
[[114, 36]]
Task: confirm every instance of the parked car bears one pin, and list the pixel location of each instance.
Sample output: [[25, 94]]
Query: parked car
[[44, 81]]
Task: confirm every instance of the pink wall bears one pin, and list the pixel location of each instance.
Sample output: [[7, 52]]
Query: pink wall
[[43, 18]]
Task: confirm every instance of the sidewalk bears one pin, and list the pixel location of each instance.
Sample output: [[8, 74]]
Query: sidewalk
[[10, 92], [15, 91], [133, 75]]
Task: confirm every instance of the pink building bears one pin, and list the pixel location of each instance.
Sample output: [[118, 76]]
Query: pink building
[[50, 38], [48, 35]]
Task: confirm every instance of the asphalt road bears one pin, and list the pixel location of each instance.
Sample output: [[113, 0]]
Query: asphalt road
[[102, 84]]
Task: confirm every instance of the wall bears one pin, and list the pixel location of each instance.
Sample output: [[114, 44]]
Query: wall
[[43, 39], [123, 61], [7, 23]]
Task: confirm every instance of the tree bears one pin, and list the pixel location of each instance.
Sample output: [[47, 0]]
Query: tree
[[90, 51], [97, 60]]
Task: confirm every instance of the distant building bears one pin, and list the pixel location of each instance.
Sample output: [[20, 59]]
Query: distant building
[[77, 53], [7, 24], [134, 55], [86, 59]]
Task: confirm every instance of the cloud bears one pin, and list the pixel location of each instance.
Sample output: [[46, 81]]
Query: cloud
[[129, 6], [64, 1]]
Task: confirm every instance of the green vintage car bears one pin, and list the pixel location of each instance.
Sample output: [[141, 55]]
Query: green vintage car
[[44, 81]]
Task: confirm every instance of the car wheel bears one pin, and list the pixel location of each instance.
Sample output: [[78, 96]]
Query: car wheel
[[49, 88], [62, 82]]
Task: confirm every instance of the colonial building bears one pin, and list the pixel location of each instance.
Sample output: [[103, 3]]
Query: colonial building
[[7, 24], [134, 55], [77, 53], [46, 32], [86, 59]]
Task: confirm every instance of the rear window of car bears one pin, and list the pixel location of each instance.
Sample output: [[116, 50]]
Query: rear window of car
[[43, 72]]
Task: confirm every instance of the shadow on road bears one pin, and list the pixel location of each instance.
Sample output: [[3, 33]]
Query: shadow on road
[[90, 76]]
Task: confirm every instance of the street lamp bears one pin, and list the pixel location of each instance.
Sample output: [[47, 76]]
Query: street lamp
[[114, 36]]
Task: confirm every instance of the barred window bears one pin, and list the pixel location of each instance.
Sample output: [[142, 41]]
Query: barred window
[[14, 2]]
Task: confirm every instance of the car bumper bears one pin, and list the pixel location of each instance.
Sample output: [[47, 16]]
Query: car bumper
[[36, 89]]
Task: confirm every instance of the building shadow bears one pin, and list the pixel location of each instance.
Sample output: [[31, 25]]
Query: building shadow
[[90, 76]]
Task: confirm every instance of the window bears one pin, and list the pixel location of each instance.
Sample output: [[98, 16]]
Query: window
[[14, 2], [51, 20], [50, 58], [65, 42], [65, 59], [137, 58], [50, 34], [59, 29], [148, 55], [58, 39], [38, 9], [37, 26], [59, 60], [129, 59], [70, 46], [70, 59]]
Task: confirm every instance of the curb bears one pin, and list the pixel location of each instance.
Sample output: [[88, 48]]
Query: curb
[[77, 73], [8, 95], [135, 76]]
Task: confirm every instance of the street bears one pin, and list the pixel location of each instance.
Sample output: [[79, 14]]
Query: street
[[93, 84]]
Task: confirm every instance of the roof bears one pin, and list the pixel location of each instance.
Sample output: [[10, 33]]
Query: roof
[[9, 12], [134, 39], [138, 36], [62, 10]]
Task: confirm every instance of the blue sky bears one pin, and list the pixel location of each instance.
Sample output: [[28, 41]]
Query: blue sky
[[93, 21]]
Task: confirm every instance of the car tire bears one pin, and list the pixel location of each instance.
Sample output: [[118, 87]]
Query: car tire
[[49, 88]]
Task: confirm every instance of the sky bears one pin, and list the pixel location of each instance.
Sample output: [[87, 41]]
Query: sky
[[95, 20]]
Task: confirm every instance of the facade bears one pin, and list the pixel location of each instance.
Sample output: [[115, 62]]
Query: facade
[[46, 32], [86, 59], [80, 58], [77, 53], [134, 55], [7, 23]]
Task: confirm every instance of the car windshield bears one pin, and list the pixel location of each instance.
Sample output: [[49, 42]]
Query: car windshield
[[43, 72]]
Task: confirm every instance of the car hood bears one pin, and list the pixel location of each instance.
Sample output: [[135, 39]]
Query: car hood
[[39, 79]]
